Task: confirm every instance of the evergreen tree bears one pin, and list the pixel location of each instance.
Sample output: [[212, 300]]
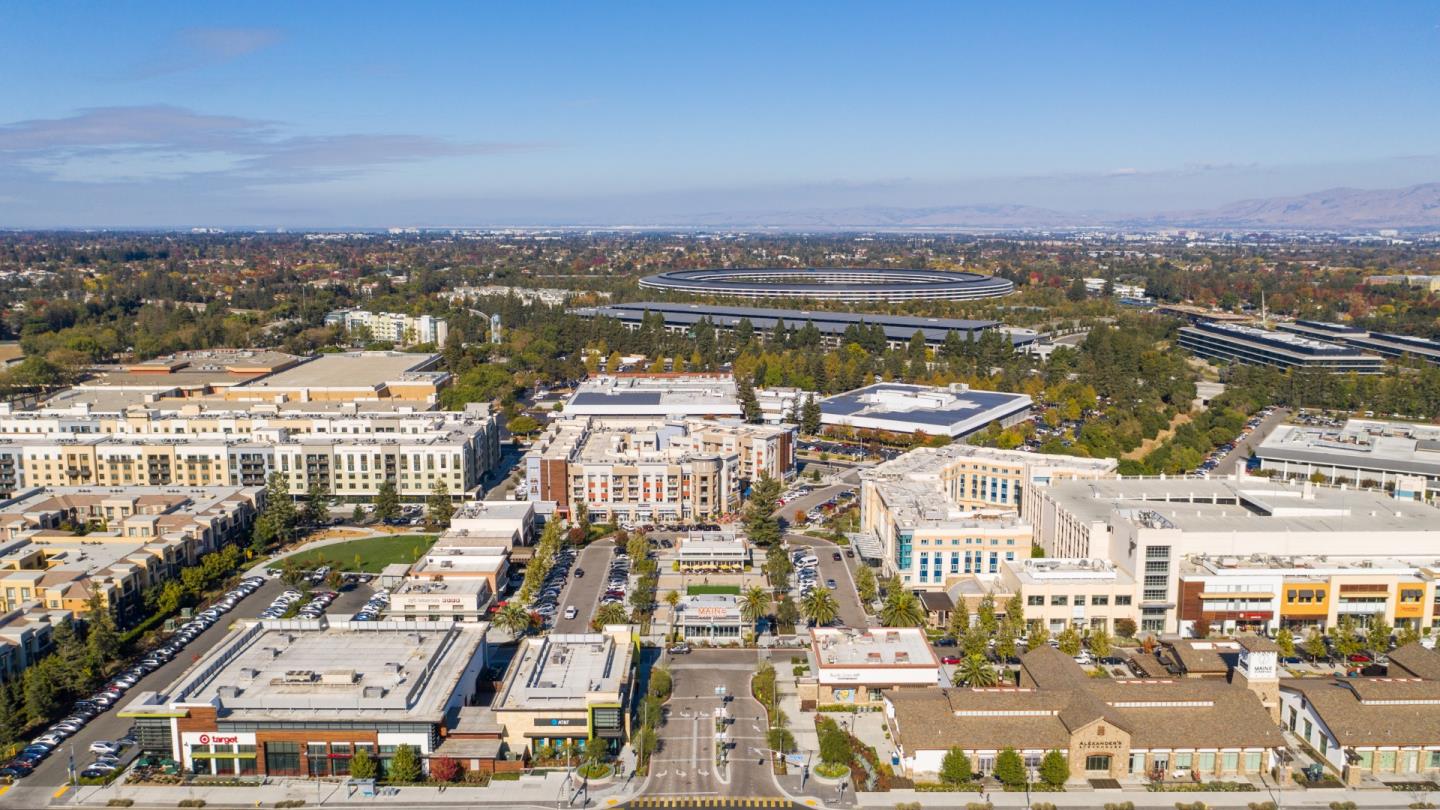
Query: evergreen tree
[[438, 508], [317, 505], [1010, 768], [405, 766], [955, 768], [749, 405], [280, 507], [387, 501], [985, 614], [1054, 769], [810, 416], [101, 639], [362, 765]]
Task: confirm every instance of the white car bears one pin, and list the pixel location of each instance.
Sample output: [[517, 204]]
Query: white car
[[571, 612], [104, 747]]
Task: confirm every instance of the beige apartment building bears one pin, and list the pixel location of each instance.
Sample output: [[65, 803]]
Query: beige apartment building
[[350, 454], [648, 470], [137, 537]]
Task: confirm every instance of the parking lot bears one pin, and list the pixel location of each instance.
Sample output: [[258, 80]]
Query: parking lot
[[828, 569], [1227, 459]]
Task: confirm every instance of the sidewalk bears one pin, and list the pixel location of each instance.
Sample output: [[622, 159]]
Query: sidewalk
[[1143, 800], [543, 790]]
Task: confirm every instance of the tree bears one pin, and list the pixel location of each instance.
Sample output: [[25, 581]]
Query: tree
[[1315, 645], [955, 768], [1005, 641], [977, 672], [1285, 640], [291, 571], [1377, 636], [1076, 291], [444, 769], [902, 609], [101, 638], [749, 405], [594, 750], [405, 765], [1100, 643], [513, 619], [672, 598], [1015, 611], [613, 613], [810, 416], [362, 765], [865, 585], [959, 618], [1069, 639], [1010, 768], [985, 614], [1054, 769], [1346, 641], [819, 607], [786, 613], [778, 567], [1037, 638], [357, 515], [754, 604], [387, 501], [1125, 628], [522, 425], [760, 524], [1201, 628], [1407, 635], [438, 507], [169, 597], [280, 507], [334, 580], [317, 504]]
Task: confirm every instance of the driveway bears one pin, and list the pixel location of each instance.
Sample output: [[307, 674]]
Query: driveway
[[584, 592], [1237, 457], [851, 613], [684, 764], [35, 790]]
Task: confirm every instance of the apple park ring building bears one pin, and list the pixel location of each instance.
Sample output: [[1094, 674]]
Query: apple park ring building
[[832, 284]]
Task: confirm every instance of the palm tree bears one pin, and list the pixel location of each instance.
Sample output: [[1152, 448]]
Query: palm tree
[[902, 609], [819, 607], [613, 613], [754, 604], [976, 671], [672, 598], [513, 619]]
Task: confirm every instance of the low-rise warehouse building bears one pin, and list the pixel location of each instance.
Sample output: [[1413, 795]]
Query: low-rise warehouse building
[[859, 666], [954, 411]]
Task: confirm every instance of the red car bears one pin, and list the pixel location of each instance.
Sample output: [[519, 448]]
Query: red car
[[1359, 658], [950, 659]]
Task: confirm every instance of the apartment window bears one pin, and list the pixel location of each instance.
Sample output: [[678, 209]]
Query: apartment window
[[1157, 552], [1100, 600], [1035, 601], [1079, 600], [1059, 600]]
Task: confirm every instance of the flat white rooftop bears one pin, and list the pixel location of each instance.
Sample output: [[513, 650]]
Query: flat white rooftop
[[562, 670], [891, 646]]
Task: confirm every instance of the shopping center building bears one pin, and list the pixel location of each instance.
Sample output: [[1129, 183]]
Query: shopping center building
[[567, 688], [299, 698]]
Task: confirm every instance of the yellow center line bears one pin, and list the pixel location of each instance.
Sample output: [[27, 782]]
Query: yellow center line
[[4, 789], [57, 794]]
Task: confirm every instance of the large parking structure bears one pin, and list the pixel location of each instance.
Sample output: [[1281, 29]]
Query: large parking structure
[[832, 283]]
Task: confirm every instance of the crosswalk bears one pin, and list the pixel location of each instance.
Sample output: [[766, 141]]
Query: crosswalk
[[709, 801]]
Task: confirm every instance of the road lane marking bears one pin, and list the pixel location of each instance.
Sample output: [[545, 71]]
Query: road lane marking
[[57, 794]]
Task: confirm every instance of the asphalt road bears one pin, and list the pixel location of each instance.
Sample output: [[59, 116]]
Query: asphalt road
[[684, 765], [35, 790], [850, 612], [1241, 453], [584, 592], [806, 502]]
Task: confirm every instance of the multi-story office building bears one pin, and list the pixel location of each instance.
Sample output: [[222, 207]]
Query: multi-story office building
[[1149, 527], [1262, 593], [1262, 347], [659, 396], [650, 470], [348, 453], [395, 327], [1060, 593], [953, 411], [133, 538], [1381, 343], [1394, 455], [467, 566], [299, 698], [937, 514]]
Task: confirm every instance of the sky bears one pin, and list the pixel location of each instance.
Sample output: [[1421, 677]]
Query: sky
[[368, 114]]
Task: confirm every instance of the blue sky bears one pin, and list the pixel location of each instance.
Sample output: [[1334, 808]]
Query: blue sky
[[374, 114]]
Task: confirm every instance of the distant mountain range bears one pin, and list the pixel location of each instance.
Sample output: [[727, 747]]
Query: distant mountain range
[[1416, 207]]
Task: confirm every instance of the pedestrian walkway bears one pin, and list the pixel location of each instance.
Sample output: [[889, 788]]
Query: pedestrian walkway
[[710, 801]]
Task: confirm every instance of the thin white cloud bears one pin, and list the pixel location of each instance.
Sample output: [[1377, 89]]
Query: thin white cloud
[[162, 142], [197, 48]]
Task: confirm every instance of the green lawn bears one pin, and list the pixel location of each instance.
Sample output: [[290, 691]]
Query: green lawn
[[700, 590], [374, 553]]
